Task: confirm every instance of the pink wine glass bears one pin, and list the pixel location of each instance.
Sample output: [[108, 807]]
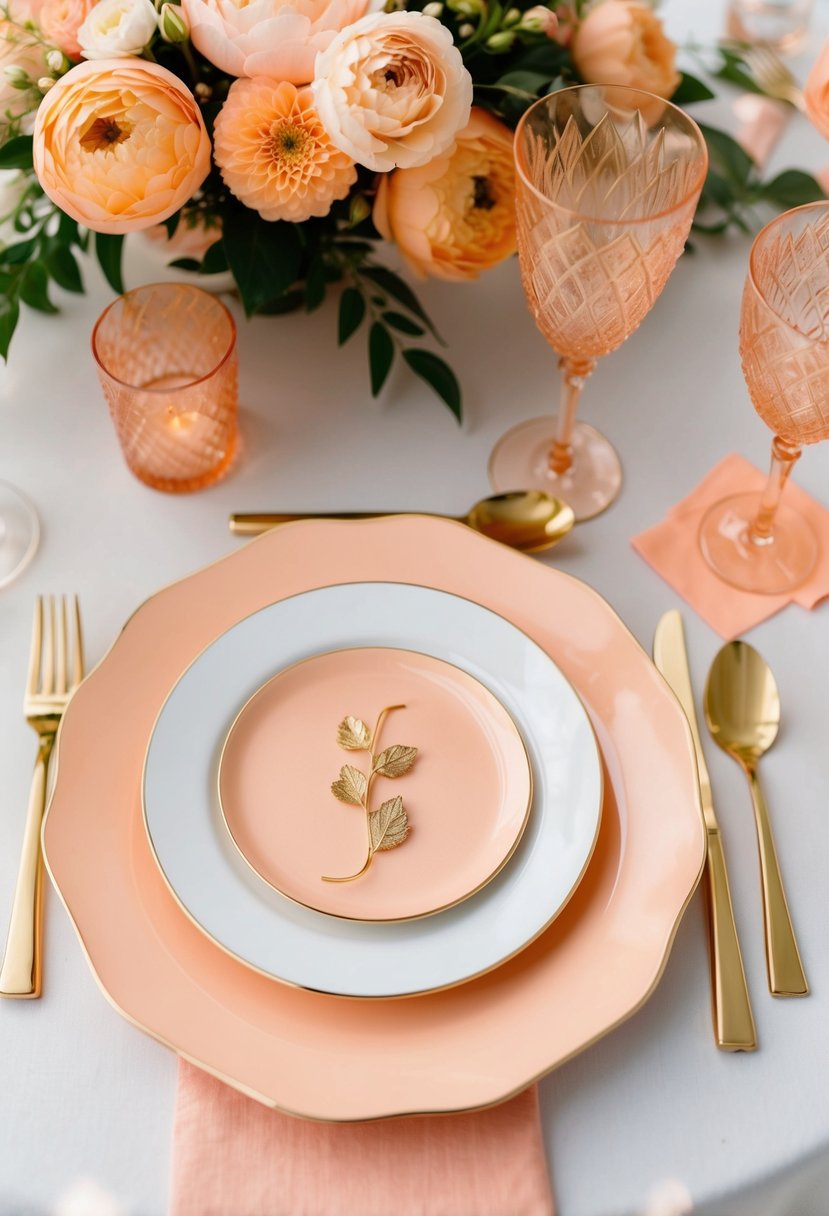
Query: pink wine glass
[[607, 182], [757, 542]]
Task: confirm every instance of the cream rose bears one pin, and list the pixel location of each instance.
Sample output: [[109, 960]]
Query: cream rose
[[392, 90], [276, 38], [816, 92], [117, 27], [622, 42], [120, 144], [455, 216]]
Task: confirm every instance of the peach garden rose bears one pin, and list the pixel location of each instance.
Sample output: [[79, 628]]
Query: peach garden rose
[[120, 144], [392, 90], [816, 92], [622, 42], [276, 38], [454, 217], [60, 21]]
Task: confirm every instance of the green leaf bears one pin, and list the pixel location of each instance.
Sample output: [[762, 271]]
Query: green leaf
[[394, 286], [63, 268], [438, 375], [792, 188], [689, 90], [290, 301], [727, 155], [380, 356], [263, 255], [171, 224], [735, 74], [403, 324], [17, 153], [109, 249], [192, 265], [67, 233], [9, 316], [315, 284], [16, 255], [352, 312], [214, 260], [34, 288], [527, 82]]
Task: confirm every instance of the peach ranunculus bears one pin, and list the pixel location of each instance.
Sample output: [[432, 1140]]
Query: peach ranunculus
[[816, 92], [455, 216], [274, 153], [622, 42], [276, 38], [120, 144], [60, 21], [392, 90]]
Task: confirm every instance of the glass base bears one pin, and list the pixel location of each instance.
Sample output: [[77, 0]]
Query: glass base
[[521, 461], [781, 564], [19, 533]]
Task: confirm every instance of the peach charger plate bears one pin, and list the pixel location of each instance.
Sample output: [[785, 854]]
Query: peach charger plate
[[326, 1057]]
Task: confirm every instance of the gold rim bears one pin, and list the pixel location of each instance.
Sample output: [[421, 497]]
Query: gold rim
[[401, 996], [374, 920], [503, 1095]]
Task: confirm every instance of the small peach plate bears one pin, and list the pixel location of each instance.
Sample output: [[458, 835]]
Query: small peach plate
[[323, 1056], [467, 795]]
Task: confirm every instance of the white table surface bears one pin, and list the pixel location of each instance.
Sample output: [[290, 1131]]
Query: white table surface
[[83, 1094]]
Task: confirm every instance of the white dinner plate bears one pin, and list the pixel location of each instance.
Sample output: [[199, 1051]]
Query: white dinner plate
[[250, 920]]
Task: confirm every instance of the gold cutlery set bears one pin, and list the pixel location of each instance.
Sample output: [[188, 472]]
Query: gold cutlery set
[[742, 712]]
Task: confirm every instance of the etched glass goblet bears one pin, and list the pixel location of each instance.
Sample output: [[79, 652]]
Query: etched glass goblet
[[607, 182], [19, 533], [756, 541]]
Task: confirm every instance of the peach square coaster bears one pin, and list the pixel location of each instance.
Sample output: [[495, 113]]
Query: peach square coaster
[[671, 548]]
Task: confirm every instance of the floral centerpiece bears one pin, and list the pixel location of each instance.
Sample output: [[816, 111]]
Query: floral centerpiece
[[290, 138]]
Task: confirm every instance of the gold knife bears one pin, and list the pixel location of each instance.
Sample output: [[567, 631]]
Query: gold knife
[[733, 1019]]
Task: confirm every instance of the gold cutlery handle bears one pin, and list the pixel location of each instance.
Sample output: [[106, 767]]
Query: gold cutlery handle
[[733, 1019], [785, 970], [252, 523], [22, 963]]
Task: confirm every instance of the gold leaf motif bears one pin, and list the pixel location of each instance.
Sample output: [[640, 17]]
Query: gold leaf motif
[[354, 735], [388, 826], [394, 761], [350, 786]]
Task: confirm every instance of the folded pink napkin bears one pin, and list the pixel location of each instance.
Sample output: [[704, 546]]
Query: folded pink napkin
[[234, 1157], [673, 551]]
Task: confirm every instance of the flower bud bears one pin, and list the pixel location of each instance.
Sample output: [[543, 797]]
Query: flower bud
[[500, 42], [539, 20], [172, 24], [358, 210], [466, 30], [433, 10], [511, 17], [466, 8], [46, 83], [17, 77], [56, 61]]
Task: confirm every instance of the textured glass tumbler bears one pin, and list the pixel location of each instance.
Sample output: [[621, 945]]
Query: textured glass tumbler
[[167, 363], [757, 542], [607, 182], [779, 24]]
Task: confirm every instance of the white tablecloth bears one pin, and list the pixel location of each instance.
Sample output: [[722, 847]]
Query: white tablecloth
[[83, 1093]]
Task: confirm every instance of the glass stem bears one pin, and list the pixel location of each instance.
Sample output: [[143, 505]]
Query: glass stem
[[574, 373], [783, 458]]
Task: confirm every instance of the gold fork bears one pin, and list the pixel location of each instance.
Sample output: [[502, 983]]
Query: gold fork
[[772, 75], [51, 681]]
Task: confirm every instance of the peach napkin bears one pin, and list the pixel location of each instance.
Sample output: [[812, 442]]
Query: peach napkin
[[761, 125], [234, 1157], [671, 548]]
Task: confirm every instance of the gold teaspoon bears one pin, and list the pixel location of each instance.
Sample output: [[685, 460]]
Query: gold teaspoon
[[528, 520], [742, 709]]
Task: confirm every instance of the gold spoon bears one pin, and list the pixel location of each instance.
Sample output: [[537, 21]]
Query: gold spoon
[[528, 520], [742, 709]]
